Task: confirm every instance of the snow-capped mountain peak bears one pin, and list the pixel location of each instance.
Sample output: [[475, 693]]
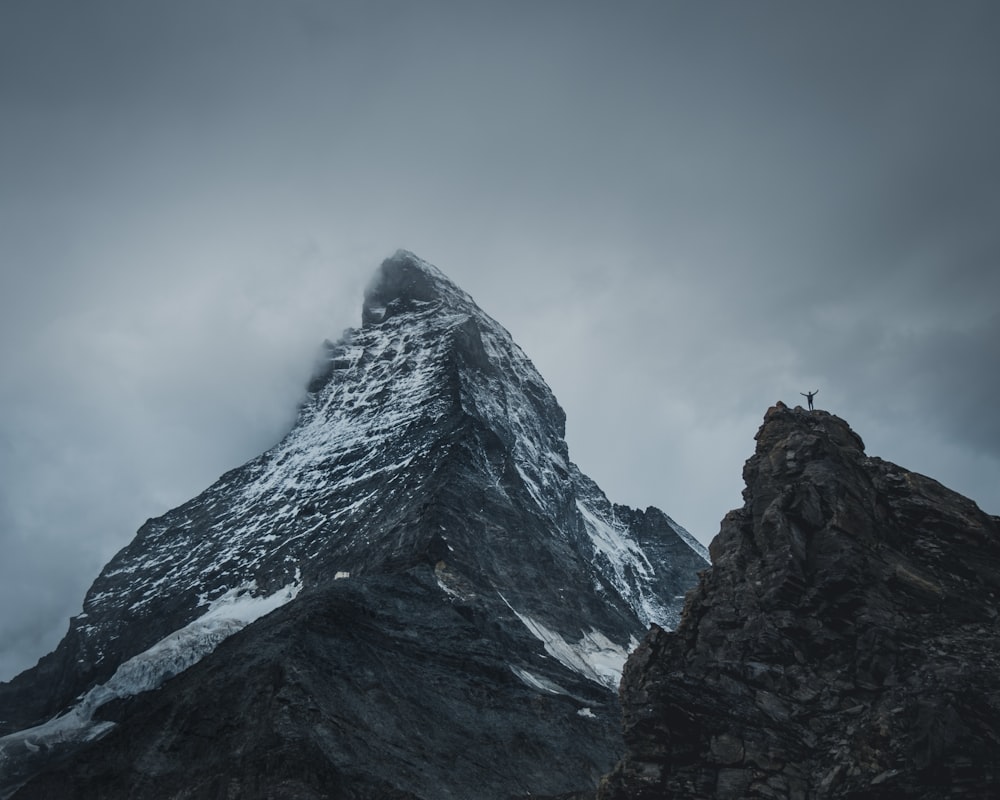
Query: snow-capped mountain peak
[[427, 442], [405, 282]]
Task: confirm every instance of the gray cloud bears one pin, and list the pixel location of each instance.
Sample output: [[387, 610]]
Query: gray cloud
[[683, 212]]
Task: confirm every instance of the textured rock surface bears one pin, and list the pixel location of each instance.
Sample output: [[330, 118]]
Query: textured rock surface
[[844, 643], [429, 449], [370, 688]]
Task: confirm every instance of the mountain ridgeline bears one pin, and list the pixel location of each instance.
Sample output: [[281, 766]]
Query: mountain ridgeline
[[415, 594]]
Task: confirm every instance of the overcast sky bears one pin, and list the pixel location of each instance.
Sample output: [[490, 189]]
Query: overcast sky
[[683, 212]]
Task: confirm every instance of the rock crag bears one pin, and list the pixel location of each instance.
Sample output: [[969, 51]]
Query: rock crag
[[844, 643]]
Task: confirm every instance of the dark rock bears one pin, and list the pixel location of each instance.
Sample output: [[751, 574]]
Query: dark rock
[[844, 643], [343, 695]]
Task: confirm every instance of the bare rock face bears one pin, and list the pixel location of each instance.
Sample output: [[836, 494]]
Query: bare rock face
[[367, 689], [844, 643]]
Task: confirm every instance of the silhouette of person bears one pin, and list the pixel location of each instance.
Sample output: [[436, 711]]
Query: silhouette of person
[[810, 397]]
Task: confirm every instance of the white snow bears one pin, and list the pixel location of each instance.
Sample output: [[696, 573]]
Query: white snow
[[586, 712], [614, 543], [173, 654], [537, 681], [625, 564], [594, 656], [447, 589], [691, 542]]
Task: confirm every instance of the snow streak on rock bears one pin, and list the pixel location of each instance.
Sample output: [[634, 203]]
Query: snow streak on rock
[[146, 671], [594, 656]]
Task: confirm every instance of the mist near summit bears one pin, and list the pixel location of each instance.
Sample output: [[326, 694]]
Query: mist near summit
[[682, 213]]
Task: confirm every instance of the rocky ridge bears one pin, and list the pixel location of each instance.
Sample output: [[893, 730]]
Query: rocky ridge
[[844, 644]]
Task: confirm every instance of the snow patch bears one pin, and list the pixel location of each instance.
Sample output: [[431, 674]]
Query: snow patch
[[620, 550], [447, 589], [625, 564], [689, 540], [594, 656], [537, 681], [173, 654]]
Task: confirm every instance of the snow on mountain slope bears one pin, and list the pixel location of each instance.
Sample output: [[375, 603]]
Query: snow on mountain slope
[[148, 670], [427, 438]]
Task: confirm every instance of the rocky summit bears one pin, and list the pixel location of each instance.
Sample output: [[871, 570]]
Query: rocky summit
[[414, 595], [844, 643]]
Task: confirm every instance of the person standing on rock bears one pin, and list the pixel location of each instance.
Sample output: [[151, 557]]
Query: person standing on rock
[[810, 397]]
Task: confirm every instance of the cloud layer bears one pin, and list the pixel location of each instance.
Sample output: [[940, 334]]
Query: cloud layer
[[682, 212]]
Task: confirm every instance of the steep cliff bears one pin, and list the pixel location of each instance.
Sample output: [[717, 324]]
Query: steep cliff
[[844, 643]]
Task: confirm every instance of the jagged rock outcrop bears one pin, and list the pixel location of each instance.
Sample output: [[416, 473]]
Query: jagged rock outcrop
[[844, 643], [443, 577]]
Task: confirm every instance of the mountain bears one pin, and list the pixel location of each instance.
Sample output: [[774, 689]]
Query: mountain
[[844, 643], [415, 594]]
